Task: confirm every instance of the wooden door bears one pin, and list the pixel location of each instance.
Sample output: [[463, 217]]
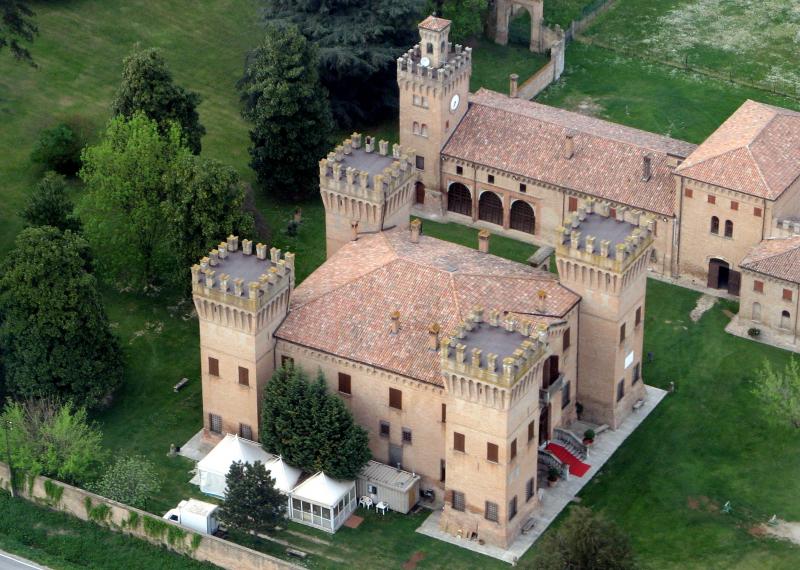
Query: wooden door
[[713, 274], [734, 282], [395, 455], [544, 424], [420, 193]]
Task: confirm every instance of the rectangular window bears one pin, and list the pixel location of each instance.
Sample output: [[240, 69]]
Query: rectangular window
[[523, 188], [459, 170], [512, 508], [491, 511], [442, 470], [513, 449], [637, 373], [612, 213], [638, 316], [420, 162], [490, 178], [492, 452], [345, 386], [565, 395], [573, 204], [787, 294], [712, 199], [621, 389], [622, 333], [531, 431], [385, 429], [213, 366], [757, 212], [444, 413], [734, 205], [406, 435], [287, 361], [215, 423], [567, 340], [687, 192], [459, 501], [529, 489], [758, 286], [458, 441], [245, 432], [395, 399], [244, 376]]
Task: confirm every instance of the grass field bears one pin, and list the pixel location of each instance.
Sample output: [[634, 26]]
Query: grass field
[[754, 41], [492, 64]]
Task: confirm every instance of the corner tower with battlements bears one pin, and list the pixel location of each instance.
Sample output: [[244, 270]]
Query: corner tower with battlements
[[241, 297], [492, 368], [433, 78], [603, 258], [365, 189]]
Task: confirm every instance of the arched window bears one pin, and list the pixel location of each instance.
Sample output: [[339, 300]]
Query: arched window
[[490, 208], [786, 319], [429, 48], [756, 315], [522, 217], [443, 46], [459, 199], [424, 130], [416, 128], [714, 225], [728, 229]]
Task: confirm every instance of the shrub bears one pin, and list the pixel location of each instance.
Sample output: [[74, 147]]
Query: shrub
[[589, 434], [553, 473], [291, 228], [59, 149], [754, 332]]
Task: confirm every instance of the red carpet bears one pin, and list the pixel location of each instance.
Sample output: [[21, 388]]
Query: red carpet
[[576, 466]]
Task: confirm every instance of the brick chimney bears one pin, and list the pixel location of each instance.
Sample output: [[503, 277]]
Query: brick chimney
[[569, 145], [395, 320], [513, 88], [483, 241], [647, 167], [541, 301], [353, 230], [416, 229], [433, 337]]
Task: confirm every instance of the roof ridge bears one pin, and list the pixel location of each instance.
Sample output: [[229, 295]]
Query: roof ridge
[[757, 164]]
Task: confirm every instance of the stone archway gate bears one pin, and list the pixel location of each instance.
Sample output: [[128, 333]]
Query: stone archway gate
[[504, 10]]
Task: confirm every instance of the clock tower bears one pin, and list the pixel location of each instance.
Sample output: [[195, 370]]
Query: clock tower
[[433, 78]]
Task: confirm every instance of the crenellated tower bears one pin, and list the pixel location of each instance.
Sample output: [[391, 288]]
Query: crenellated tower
[[433, 78], [493, 371], [241, 297], [365, 189], [604, 259]]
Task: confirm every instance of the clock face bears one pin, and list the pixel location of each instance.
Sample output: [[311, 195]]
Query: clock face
[[424, 62], [454, 102]]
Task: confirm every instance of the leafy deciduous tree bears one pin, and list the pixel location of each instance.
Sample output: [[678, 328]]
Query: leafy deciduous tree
[[311, 428], [49, 205], [16, 26], [148, 87], [129, 480], [252, 503], [54, 333], [779, 392], [468, 16], [47, 438], [59, 149], [586, 541], [289, 111]]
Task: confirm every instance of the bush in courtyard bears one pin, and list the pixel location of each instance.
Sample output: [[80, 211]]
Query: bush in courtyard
[[586, 541], [252, 503], [129, 480], [49, 205], [59, 149], [779, 392], [754, 332], [311, 428]]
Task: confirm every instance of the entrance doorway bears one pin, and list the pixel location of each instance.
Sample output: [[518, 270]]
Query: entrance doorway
[[395, 455], [721, 276], [544, 424], [420, 192]]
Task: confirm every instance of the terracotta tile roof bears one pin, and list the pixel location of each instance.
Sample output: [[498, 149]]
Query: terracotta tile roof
[[755, 151], [778, 257], [434, 23], [343, 307], [527, 138]]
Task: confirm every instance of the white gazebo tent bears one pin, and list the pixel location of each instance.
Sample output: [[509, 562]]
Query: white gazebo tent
[[213, 468], [284, 474], [322, 502]]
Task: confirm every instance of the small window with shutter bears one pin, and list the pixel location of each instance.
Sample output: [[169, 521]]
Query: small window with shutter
[[213, 366], [787, 294], [491, 511], [245, 432], [573, 204], [215, 423], [566, 340], [444, 413], [407, 435], [513, 449], [395, 398], [531, 431], [758, 286], [459, 501], [244, 376], [384, 429], [344, 383], [492, 452], [458, 441], [638, 316]]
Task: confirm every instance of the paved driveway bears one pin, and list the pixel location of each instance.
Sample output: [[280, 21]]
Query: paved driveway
[[11, 562]]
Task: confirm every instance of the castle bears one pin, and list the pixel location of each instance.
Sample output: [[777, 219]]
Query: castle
[[463, 366]]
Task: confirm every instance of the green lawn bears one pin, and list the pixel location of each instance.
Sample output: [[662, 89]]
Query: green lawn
[[649, 96], [492, 64], [752, 41]]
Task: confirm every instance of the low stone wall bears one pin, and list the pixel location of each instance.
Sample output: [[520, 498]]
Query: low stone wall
[[578, 26], [549, 73], [122, 518]]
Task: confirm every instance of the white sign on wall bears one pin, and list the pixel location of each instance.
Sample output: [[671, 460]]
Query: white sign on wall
[[629, 360]]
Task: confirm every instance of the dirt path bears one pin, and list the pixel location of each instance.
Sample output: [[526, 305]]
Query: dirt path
[[783, 529], [704, 303]]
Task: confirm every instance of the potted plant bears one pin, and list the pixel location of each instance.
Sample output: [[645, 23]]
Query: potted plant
[[754, 332], [588, 437], [552, 476]]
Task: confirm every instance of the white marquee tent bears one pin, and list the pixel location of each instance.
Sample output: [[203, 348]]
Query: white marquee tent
[[322, 502], [284, 474], [213, 468]]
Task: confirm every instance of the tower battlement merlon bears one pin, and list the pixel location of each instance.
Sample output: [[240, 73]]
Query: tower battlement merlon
[[366, 172], [592, 236], [410, 65], [496, 350], [235, 276]]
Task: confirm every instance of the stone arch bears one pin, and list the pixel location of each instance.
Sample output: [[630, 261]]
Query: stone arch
[[490, 208], [502, 17], [786, 320], [459, 199], [523, 217]]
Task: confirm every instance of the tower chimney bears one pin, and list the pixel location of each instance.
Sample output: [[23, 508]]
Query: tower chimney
[[647, 167], [395, 319], [513, 81], [353, 230], [569, 145], [433, 337], [416, 228], [483, 241]]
